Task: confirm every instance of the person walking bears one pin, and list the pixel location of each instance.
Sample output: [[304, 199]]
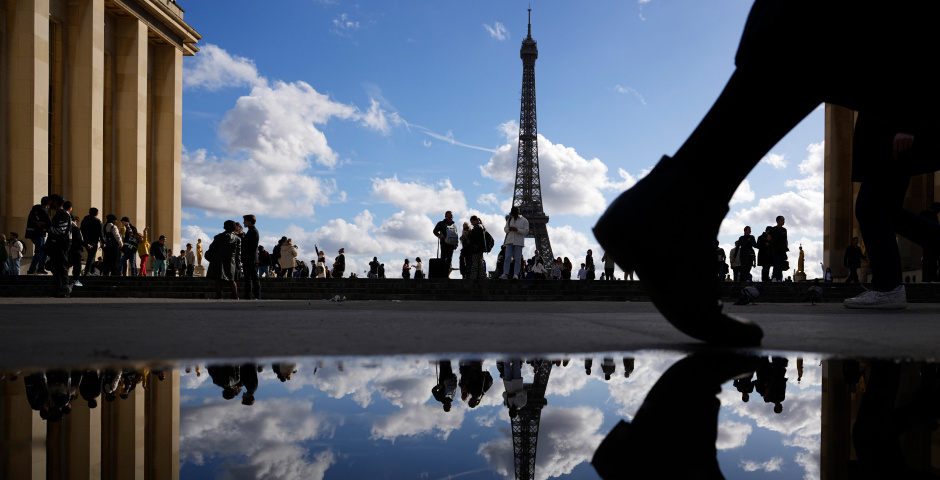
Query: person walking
[[517, 227]]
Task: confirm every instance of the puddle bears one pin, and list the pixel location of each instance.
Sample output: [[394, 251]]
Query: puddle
[[422, 417]]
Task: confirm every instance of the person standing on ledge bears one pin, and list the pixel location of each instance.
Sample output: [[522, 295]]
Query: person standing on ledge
[[249, 248], [447, 236], [517, 227]]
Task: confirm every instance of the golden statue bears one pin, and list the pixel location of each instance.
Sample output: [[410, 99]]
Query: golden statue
[[199, 252], [799, 264]]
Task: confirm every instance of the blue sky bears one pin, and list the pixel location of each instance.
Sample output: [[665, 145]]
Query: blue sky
[[357, 125]]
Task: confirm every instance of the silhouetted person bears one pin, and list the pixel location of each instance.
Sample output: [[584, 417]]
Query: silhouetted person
[[852, 260], [781, 40], [628, 366], [588, 363], [90, 389], [608, 367], [771, 381]]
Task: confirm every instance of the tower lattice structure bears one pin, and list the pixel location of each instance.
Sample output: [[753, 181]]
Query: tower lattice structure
[[527, 194], [525, 427]]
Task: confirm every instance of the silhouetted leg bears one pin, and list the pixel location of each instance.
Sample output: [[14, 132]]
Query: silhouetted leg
[[673, 434]]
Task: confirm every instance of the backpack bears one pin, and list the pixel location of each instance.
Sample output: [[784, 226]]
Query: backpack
[[488, 241], [450, 235]]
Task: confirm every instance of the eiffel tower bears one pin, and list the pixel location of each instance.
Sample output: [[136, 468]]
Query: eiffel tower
[[525, 427], [527, 194]]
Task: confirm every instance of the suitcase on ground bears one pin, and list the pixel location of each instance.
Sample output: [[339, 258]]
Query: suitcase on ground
[[438, 268]]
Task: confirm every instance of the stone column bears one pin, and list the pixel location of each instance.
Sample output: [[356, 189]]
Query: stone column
[[85, 104], [74, 444], [131, 119], [123, 445], [22, 434], [163, 427], [839, 225], [26, 160], [167, 143]]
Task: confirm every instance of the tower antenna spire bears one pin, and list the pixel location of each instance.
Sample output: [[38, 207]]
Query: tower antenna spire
[[530, 20]]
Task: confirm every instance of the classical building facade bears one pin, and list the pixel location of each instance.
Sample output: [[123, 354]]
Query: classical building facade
[[91, 107], [839, 191]]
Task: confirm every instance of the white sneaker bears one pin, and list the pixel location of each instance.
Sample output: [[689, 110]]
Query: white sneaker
[[894, 299], [78, 283], [504, 277]]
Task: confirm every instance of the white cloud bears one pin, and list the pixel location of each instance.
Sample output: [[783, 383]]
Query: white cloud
[[772, 465], [775, 160], [378, 119], [488, 199], [570, 184], [630, 90], [420, 198], [214, 69], [743, 194], [343, 26], [268, 435], [233, 187], [732, 435], [497, 31], [416, 420], [813, 168]]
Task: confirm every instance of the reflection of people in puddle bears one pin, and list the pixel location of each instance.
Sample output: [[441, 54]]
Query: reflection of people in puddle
[[884, 417], [515, 396], [744, 385], [248, 378], [588, 363], [90, 389], [285, 370], [680, 409], [608, 367], [771, 381], [446, 387], [628, 366], [474, 382], [227, 377]]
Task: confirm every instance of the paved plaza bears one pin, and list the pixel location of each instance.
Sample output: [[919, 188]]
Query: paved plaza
[[46, 332]]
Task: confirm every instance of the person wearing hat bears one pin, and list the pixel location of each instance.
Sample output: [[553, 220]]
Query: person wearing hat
[[112, 247], [339, 265]]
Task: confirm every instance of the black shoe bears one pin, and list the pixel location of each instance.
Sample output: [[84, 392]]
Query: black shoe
[[641, 223]]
